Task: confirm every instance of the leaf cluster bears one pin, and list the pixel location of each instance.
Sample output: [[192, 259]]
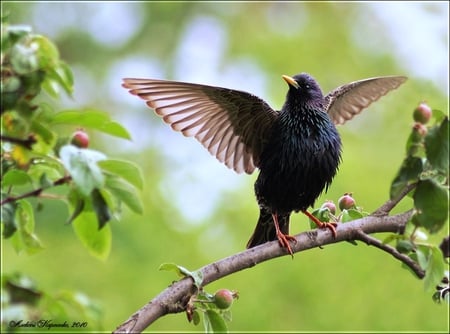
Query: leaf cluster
[[38, 160]]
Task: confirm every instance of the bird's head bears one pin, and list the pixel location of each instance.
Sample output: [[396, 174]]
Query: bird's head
[[303, 89]]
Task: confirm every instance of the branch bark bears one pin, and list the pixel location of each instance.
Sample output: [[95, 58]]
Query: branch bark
[[36, 192], [174, 298]]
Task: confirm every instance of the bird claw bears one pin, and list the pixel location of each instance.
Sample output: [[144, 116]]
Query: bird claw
[[284, 239], [330, 226]]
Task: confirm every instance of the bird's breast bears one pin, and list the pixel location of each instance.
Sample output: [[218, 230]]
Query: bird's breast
[[297, 163]]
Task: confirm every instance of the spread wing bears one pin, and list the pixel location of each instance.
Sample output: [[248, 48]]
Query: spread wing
[[346, 101], [232, 125]]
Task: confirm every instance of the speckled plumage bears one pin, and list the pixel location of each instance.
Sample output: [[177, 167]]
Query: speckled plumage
[[299, 160], [296, 149]]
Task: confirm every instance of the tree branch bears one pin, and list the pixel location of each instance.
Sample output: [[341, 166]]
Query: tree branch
[[174, 298], [371, 241], [390, 204], [36, 192]]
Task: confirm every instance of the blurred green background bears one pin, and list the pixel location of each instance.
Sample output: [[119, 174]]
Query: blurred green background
[[196, 210]]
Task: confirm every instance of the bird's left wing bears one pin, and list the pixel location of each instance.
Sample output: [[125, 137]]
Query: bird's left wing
[[232, 125], [346, 101]]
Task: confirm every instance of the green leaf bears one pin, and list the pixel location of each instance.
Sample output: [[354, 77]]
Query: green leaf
[[436, 146], [430, 200], [15, 177], [101, 208], [181, 271], [81, 164], [47, 53], [59, 76], [214, 323], [124, 169], [409, 173], [351, 214], [124, 192], [172, 267], [91, 118], [25, 239], [97, 241], [196, 317], [435, 269]]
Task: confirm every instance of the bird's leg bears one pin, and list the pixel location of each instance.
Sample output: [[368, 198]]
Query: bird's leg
[[283, 238], [331, 226]]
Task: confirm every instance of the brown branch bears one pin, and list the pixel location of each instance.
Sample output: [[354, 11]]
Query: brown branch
[[371, 241], [174, 298], [36, 192], [27, 143], [390, 204]]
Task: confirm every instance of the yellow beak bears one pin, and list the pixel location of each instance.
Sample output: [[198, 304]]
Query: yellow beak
[[290, 81]]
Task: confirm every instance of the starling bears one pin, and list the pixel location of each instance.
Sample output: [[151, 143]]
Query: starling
[[297, 149]]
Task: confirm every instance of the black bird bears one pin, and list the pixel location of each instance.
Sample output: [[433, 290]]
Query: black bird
[[297, 149]]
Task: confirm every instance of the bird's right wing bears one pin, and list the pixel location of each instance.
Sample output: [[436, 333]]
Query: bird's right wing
[[346, 101], [232, 125]]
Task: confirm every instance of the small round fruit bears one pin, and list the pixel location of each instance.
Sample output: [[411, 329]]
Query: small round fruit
[[422, 113], [346, 202], [80, 139], [223, 298], [331, 206]]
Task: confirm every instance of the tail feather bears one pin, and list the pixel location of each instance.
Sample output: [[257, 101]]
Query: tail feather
[[265, 228]]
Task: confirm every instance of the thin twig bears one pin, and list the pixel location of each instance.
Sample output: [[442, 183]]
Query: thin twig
[[390, 204], [36, 192], [371, 241]]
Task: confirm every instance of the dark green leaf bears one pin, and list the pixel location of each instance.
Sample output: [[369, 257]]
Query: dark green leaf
[[101, 208], [8, 213], [124, 192], [98, 242], [92, 118], [409, 173], [82, 166], [436, 146], [431, 201], [124, 169], [214, 323], [79, 206]]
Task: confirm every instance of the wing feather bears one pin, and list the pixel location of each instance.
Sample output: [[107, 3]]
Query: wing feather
[[232, 125], [347, 101]]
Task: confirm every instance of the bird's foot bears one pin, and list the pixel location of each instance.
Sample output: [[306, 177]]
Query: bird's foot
[[284, 239], [331, 226]]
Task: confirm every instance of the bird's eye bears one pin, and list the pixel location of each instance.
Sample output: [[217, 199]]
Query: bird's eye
[[307, 86]]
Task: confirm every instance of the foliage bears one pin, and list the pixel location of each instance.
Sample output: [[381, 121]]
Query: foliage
[[426, 166], [26, 306], [37, 157]]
